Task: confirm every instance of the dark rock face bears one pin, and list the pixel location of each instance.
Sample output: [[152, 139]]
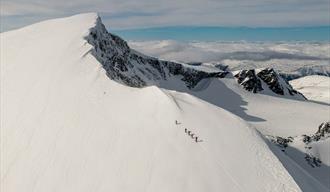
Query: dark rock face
[[113, 53], [282, 142], [134, 69], [252, 81], [249, 80], [324, 130], [270, 77], [322, 133]]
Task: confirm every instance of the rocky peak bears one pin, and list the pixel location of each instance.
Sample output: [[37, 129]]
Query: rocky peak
[[258, 80], [134, 69]]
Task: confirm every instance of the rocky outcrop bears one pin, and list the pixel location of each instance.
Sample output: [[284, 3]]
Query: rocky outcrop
[[281, 141], [254, 81], [307, 141], [270, 77], [322, 133], [134, 69], [249, 80]]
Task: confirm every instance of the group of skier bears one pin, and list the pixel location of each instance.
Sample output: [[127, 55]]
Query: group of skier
[[192, 135]]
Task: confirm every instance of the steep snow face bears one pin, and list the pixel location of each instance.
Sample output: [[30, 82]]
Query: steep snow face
[[277, 117], [309, 151], [316, 88], [65, 126]]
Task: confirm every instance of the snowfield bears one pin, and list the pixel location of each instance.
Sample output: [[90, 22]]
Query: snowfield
[[316, 88], [67, 126]]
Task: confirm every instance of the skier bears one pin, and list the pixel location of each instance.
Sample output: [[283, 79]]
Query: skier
[[177, 122], [196, 139]]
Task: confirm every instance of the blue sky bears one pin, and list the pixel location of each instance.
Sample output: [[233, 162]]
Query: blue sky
[[151, 13], [132, 14]]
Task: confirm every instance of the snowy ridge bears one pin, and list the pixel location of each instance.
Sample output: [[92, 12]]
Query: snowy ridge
[[134, 69]]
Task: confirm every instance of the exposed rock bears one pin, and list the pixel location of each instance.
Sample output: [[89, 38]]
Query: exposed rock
[[249, 80], [313, 161], [136, 70], [252, 80], [322, 134], [270, 77], [281, 142]]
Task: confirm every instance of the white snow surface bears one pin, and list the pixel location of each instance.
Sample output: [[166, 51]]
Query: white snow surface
[[65, 126], [314, 87]]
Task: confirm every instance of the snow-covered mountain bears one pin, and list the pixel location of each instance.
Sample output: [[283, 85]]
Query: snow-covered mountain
[[266, 80], [134, 69], [314, 87], [81, 111]]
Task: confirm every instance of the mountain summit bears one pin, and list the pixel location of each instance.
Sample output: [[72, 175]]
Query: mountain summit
[[134, 69], [81, 111]]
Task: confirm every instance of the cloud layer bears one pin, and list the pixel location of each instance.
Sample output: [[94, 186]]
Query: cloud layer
[[199, 51], [150, 13], [241, 55]]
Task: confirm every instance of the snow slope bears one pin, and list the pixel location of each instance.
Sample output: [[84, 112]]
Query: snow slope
[[316, 88], [65, 126]]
